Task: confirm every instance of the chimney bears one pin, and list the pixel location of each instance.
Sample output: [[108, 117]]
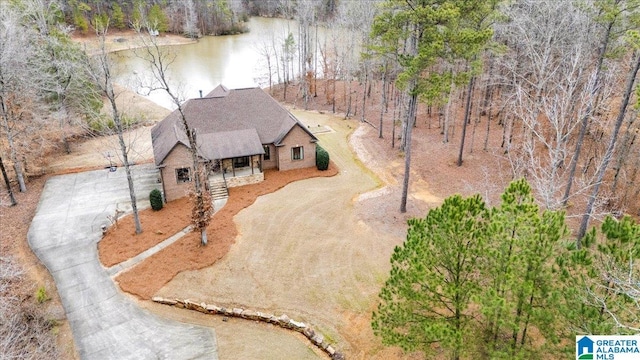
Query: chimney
[[200, 93]]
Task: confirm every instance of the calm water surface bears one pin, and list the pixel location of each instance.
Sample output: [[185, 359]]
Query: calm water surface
[[233, 61]]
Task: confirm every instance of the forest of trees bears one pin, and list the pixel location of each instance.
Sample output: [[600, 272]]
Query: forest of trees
[[473, 281], [190, 18], [557, 79]]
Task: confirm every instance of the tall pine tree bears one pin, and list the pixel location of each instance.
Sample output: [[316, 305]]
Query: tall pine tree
[[516, 272], [433, 278]]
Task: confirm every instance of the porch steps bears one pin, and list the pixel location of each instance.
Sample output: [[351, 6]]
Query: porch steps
[[218, 188]]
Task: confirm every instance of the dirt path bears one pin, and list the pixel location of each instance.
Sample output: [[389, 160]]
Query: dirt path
[[314, 260]]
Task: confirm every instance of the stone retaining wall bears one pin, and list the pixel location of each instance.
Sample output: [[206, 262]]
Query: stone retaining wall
[[282, 321], [245, 180]]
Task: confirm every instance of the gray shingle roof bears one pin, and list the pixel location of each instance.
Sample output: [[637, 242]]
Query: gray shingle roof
[[230, 144], [228, 111]]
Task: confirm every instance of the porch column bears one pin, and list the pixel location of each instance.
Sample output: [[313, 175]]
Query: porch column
[[233, 167], [251, 161]]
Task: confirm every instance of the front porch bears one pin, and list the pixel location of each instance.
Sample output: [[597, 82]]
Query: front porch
[[238, 171]]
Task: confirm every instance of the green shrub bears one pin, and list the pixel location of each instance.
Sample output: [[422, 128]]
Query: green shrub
[[104, 124], [155, 197], [41, 295], [322, 158]]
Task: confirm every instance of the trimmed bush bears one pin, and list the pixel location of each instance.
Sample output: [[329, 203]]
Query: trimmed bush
[[322, 158], [155, 198]]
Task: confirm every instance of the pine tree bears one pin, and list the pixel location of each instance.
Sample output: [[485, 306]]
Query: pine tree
[[423, 36], [466, 270], [519, 291], [157, 19], [117, 17], [602, 279], [433, 279]]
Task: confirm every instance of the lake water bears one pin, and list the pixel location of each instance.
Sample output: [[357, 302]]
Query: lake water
[[233, 61]]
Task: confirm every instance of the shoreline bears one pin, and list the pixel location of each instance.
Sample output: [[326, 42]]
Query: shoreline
[[119, 40]]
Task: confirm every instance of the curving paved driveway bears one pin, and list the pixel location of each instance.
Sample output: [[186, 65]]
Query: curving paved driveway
[[105, 324]]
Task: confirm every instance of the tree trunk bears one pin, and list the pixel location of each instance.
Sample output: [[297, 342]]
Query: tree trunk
[[13, 154], [7, 183], [585, 119], [466, 118], [315, 65], [203, 237], [348, 112], [364, 92], [486, 138], [447, 116], [125, 161], [410, 119], [17, 167], [609, 153], [627, 143], [107, 88], [396, 103], [383, 98]]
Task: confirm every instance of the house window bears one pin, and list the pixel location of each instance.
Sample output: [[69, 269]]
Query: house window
[[183, 175], [297, 153], [267, 152], [241, 162]]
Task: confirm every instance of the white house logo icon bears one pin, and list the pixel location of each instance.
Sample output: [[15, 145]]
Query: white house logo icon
[[584, 349]]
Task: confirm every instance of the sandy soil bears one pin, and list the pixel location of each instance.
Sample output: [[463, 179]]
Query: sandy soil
[[117, 40], [244, 340]]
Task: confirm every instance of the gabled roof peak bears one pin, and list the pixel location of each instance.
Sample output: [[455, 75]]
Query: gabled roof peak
[[218, 92]]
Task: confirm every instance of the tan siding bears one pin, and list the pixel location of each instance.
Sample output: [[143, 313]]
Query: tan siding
[[227, 166], [255, 159], [296, 137], [273, 162], [179, 157]]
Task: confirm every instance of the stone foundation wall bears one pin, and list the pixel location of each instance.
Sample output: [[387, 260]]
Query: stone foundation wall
[[245, 180], [282, 321]]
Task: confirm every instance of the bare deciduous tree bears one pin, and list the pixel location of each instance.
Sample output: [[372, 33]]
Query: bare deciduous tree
[[7, 183], [100, 69], [612, 143], [160, 60], [550, 85], [17, 94]]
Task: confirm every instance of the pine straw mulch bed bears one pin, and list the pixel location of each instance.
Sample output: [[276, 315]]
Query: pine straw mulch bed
[[144, 280]]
